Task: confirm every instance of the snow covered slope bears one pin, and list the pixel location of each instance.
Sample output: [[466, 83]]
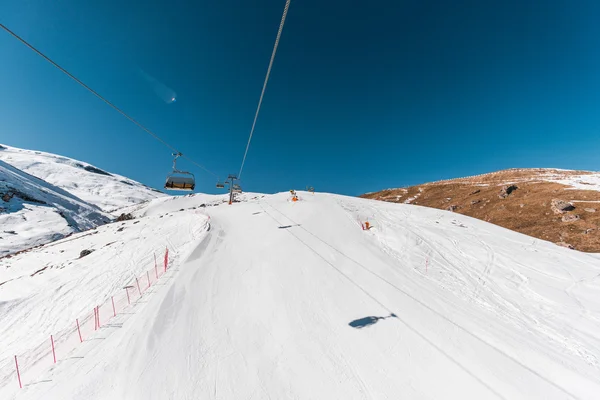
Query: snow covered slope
[[33, 211], [93, 185], [286, 300]]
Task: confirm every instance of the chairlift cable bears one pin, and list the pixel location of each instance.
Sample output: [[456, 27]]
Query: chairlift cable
[[148, 131], [285, 10]]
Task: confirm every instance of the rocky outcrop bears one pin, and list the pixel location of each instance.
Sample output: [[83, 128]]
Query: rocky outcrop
[[560, 206], [85, 253], [6, 197], [124, 217], [570, 218], [507, 190], [590, 210]]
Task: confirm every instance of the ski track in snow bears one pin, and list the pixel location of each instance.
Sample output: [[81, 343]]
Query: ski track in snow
[[265, 301]]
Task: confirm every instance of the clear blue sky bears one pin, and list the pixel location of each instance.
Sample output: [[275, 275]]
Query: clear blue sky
[[363, 95]]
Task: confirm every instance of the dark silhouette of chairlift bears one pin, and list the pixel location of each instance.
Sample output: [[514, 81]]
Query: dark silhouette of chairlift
[[180, 180], [368, 321]]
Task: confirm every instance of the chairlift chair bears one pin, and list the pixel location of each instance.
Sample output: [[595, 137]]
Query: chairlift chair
[[237, 188], [180, 180], [220, 185]]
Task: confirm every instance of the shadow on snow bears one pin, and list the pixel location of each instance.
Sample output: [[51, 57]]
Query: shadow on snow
[[368, 321]]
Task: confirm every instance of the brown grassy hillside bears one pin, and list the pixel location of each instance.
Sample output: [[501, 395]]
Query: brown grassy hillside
[[544, 203]]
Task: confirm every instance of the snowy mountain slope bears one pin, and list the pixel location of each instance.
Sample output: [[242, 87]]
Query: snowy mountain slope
[[294, 301], [34, 212], [106, 190]]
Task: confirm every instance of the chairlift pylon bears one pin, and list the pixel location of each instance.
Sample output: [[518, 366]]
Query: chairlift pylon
[[180, 180]]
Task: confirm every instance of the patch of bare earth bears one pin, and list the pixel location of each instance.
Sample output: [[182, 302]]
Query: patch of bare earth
[[528, 201]]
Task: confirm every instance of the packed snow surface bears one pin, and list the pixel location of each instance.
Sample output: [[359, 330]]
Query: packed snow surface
[[293, 300], [106, 190]]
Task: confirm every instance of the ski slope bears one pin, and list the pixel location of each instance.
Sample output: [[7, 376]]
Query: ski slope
[[282, 300], [104, 189]]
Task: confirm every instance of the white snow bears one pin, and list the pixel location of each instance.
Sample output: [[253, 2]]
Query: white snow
[[286, 300], [106, 190], [581, 182], [37, 212]]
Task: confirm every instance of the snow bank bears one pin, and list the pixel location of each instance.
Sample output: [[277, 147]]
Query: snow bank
[[44, 291]]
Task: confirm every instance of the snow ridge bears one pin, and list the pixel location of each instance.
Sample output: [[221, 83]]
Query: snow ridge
[[89, 183], [33, 211]]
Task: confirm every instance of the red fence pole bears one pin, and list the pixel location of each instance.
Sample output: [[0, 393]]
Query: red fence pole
[[148, 276], [53, 352], [95, 319], [166, 258], [79, 330], [128, 299], [138, 285], [112, 298], [18, 373], [98, 314]]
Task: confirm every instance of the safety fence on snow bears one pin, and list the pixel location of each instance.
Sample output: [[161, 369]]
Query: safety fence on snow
[[25, 367]]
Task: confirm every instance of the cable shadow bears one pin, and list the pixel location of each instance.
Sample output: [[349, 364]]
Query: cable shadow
[[287, 226], [368, 321], [120, 325], [38, 382]]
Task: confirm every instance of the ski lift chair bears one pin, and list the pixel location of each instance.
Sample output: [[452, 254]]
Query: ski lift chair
[[180, 180], [220, 185]]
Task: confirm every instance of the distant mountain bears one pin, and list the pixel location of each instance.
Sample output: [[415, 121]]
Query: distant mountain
[[33, 211], [560, 206], [91, 184], [44, 197]]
